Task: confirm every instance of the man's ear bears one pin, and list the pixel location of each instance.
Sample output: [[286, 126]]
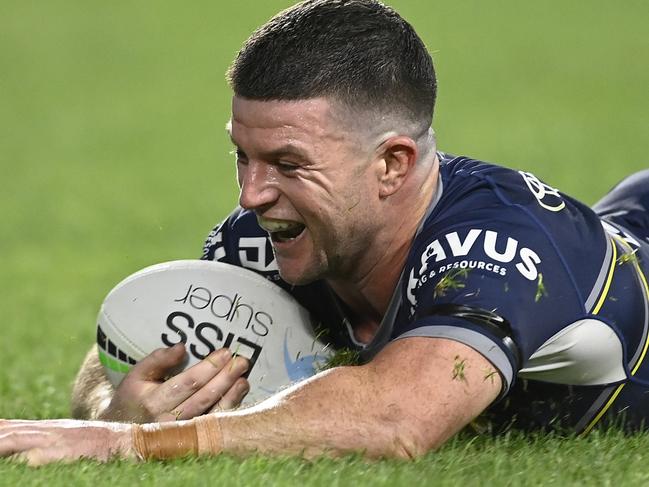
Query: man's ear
[[399, 156]]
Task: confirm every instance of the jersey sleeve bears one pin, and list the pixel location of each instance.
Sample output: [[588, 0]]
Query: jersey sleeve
[[240, 241], [497, 283]]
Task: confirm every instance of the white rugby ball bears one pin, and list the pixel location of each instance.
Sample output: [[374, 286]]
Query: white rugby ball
[[209, 305]]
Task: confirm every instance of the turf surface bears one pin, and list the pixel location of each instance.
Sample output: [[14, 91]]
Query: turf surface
[[113, 157]]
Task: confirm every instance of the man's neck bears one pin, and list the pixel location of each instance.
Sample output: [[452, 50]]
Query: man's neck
[[369, 295], [369, 298]]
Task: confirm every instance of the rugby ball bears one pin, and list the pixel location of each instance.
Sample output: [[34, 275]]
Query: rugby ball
[[207, 306]]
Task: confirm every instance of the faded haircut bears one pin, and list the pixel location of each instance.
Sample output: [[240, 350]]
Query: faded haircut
[[358, 52]]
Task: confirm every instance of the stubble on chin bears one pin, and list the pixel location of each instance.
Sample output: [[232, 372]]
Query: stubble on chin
[[298, 278], [305, 274]]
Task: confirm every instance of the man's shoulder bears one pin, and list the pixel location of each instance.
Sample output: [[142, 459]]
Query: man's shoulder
[[467, 182], [477, 193], [499, 263], [510, 217], [498, 238]]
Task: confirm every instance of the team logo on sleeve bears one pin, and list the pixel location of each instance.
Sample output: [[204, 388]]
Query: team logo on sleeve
[[254, 253], [547, 196]]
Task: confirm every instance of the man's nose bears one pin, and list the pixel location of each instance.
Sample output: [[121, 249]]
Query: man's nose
[[257, 184]]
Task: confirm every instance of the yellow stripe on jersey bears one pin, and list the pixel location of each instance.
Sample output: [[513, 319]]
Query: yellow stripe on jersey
[[619, 388], [609, 279]]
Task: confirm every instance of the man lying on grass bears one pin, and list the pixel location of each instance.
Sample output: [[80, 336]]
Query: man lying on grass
[[467, 288]]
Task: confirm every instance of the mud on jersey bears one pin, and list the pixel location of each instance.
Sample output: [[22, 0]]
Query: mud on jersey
[[554, 296]]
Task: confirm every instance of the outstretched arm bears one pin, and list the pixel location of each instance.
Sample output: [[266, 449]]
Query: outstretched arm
[[416, 394]]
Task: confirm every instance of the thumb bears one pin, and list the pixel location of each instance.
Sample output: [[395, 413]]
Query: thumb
[[158, 364]]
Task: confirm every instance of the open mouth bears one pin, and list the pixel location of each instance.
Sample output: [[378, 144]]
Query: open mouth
[[287, 235], [281, 230]]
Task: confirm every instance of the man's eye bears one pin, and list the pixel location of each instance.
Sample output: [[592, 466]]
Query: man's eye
[[286, 166]]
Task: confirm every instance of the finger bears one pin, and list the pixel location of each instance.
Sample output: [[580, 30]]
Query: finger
[[38, 456], [41, 456], [42, 424], [214, 390], [177, 389], [10, 423], [19, 440], [234, 396], [158, 363], [17, 458]]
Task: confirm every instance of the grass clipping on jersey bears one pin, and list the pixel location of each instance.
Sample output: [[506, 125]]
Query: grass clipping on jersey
[[452, 280]]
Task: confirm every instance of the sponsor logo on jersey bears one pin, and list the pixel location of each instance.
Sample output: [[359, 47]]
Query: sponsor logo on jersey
[[547, 196], [452, 250]]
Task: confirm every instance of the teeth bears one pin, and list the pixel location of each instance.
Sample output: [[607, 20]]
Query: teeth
[[277, 225]]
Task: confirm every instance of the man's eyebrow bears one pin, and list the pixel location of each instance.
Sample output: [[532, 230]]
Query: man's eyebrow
[[279, 153], [286, 150]]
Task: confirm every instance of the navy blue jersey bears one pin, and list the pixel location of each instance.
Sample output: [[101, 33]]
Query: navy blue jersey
[[551, 292]]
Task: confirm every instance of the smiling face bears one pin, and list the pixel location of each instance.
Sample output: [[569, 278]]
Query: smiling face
[[312, 184]]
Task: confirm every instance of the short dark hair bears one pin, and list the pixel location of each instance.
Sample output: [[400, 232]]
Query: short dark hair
[[359, 52]]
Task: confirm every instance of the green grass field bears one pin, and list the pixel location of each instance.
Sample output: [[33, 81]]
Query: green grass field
[[113, 156]]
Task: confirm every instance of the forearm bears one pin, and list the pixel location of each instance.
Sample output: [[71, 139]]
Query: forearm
[[328, 415], [412, 397], [378, 409], [338, 412]]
